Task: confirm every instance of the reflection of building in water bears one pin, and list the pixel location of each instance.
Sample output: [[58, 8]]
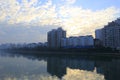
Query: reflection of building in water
[[81, 64], [57, 66], [115, 69], [111, 69]]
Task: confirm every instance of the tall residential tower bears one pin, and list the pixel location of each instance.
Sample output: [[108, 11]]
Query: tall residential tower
[[110, 34], [55, 37]]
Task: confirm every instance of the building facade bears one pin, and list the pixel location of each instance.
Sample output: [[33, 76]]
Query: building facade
[[110, 34], [77, 42], [54, 37], [98, 34]]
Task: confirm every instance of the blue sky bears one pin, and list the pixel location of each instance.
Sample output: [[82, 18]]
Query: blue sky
[[98, 4], [87, 4], [30, 20]]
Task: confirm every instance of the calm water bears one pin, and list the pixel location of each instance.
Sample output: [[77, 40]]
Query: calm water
[[29, 67]]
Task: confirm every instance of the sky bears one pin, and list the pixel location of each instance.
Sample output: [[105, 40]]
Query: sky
[[27, 21]]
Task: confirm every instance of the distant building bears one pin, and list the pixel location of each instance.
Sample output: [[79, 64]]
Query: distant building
[[98, 38], [76, 42], [72, 41], [64, 42], [89, 41], [110, 34], [81, 40], [97, 43], [98, 34], [117, 21], [60, 34], [55, 37], [51, 37]]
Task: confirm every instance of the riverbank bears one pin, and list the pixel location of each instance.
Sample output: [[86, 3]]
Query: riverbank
[[66, 52]]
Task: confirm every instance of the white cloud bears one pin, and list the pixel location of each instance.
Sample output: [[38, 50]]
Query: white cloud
[[76, 20], [13, 12], [69, 1]]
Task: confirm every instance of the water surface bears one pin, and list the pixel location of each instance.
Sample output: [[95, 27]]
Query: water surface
[[31, 67]]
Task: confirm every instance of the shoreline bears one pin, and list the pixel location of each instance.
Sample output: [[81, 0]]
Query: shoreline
[[65, 53]]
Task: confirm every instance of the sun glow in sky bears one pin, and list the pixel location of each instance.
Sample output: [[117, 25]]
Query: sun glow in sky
[[30, 20]]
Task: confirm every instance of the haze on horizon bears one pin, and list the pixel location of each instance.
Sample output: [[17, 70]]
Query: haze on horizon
[[30, 20]]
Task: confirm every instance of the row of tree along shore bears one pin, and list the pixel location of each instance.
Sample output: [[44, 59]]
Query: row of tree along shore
[[78, 50], [95, 52]]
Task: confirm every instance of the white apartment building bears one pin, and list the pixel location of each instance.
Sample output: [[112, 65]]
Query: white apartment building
[[81, 41]]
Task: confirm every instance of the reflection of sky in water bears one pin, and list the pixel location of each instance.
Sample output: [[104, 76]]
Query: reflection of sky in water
[[20, 66], [16, 67], [72, 74], [76, 74]]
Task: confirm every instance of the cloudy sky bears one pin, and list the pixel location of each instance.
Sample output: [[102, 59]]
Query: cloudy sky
[[30, 20]]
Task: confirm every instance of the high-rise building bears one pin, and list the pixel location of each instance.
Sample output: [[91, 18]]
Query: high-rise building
[[110, 34], [51, 37], [98, 41], [98, 34], [60, 34], [55, 37]]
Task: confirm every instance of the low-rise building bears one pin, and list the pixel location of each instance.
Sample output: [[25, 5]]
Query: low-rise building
[[78, 42]]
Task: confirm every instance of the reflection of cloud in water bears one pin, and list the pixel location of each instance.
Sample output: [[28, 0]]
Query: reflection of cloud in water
[[76, 74], [72, 74], [33, 77]]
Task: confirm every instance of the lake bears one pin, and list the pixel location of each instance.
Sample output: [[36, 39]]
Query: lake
[[33, 67]]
